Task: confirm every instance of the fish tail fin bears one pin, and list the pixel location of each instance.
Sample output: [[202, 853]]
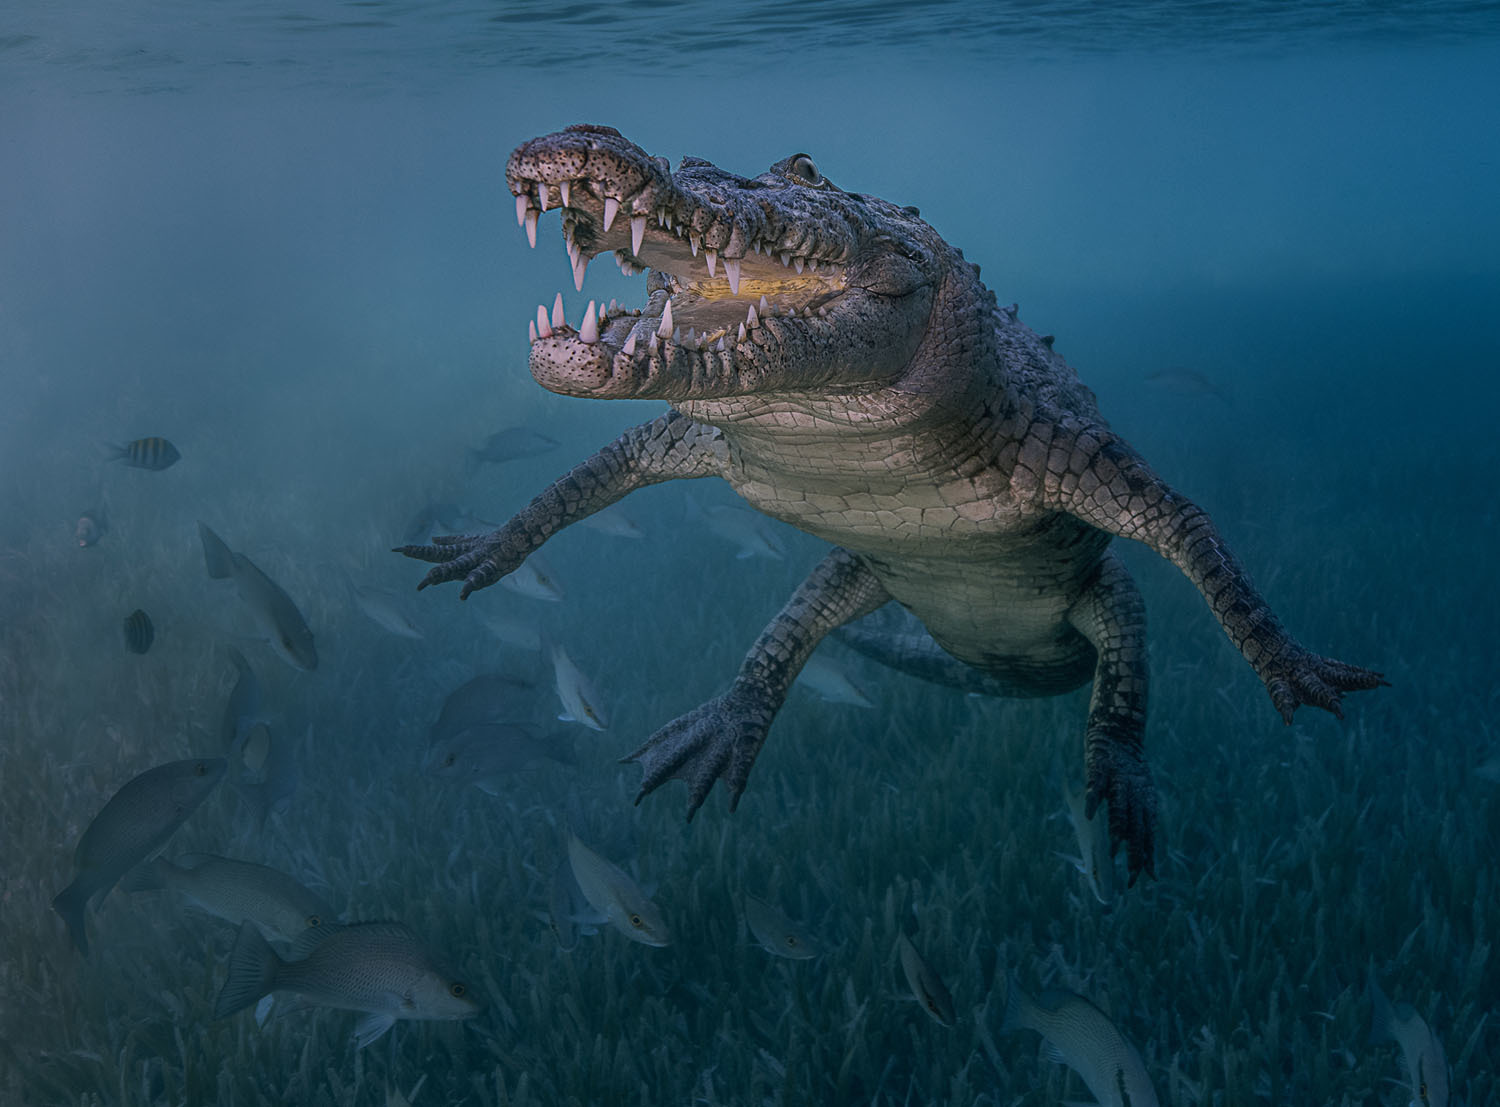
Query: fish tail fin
[[149, 876], [113, 452], [216, 555], [70, 904], [252, 971], [1017, 1006]]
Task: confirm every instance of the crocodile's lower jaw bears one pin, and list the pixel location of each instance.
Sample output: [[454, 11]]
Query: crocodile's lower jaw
[[707, 318]]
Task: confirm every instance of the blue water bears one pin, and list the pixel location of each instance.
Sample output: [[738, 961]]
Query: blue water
[[283, 240]]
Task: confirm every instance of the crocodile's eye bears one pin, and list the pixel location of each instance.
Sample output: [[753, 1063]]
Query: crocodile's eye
[[802, 166]]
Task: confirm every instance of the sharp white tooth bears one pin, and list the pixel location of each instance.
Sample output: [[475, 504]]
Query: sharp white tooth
[[665, 330], [764, 307], [653, 346], [695, 240], [531, 227], [588, 330], [732, 271], [797, 265], [637, 233], [541, 194], [812, 265], [677, 336], [557, 311], [522, 203], [580, 267], [629, 347], [712, 257], [531, 328], [720, 347], [661, 218], [566, 189], [611, 209], [543, 330], [752, 317], [741, 336], [613, 304]]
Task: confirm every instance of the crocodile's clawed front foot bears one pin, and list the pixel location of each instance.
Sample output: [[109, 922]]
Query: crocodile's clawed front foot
[[1298, 676], [479, 559], [719, 739], [1119, 777]]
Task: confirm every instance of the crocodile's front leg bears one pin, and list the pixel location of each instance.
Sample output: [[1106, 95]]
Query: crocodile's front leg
[[1094, 475], [672, 447], [724, 735]]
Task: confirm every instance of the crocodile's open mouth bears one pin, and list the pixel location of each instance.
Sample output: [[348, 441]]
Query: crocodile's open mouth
[[716, 283]]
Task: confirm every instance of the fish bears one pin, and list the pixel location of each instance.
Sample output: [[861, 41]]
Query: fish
[[131, 826], [1082, 1037], [444, 518], [487, 753], [139, 633], [778, 934], [267, 775], [488, 698], [513, 632], [384, 610], [237, 891], [535, 579], [243, 705], [1426, 1063], [566, 907], [616, 897], [380, 969], [832, 684], [512, 444], [1092, 835], [613, 522], [1189, 382], [274, 612], [925, 984], [91, 526], [153, 453], [749, 530], [580, 702]]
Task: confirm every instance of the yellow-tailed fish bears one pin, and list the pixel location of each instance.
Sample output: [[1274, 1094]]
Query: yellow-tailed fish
[[380, 969], [1092, 835], [580, 701], [925, 984], [1082, 1037], [778, 934], [134, 824], [616, 897], [276, 616], [1426, 1064]]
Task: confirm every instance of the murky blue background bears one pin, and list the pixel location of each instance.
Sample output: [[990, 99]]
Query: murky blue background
[[282, 239]]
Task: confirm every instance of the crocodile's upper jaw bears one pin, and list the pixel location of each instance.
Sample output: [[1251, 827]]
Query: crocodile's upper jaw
[[750, 280]]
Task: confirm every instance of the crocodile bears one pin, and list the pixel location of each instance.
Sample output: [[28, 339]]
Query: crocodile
[[846, 371]]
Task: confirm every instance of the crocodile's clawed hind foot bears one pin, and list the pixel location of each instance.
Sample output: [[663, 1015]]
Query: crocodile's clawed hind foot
[[1121, 779], [1300, 677], [721, 738], [479, 560]]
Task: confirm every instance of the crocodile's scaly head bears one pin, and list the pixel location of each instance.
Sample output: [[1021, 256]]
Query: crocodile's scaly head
[[783, 283]]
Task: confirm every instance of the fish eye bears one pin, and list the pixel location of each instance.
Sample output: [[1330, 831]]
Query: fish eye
[[200, 769], [802, 166], [313, 920], [791, 941], [637, 922], [456, 990], [449, 760]]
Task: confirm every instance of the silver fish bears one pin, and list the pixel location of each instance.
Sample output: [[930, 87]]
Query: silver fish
[[513, 632], [511, 444], [267, 773], [485, 754], [139, 631], [378, 968], [778, 934], [613, 522], [488, 698], [91, 526], [534, 578], [832, 684], [133, 825], [444, 518], [1093, 861], [238, 891], [243, 705], [1426, 1063], [1082, 1037], [566, 906], [616, 897], [275, 614], [154, 454], [384, 610], [1189, 382], [749, 530], [925, 983], [580, 702]]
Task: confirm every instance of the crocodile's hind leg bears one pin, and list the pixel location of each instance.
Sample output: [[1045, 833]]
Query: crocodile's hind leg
[[724, 735], [1112, 617]]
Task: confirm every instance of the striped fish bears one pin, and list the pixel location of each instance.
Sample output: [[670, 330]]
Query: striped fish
[[152, 453], [139, 633]]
